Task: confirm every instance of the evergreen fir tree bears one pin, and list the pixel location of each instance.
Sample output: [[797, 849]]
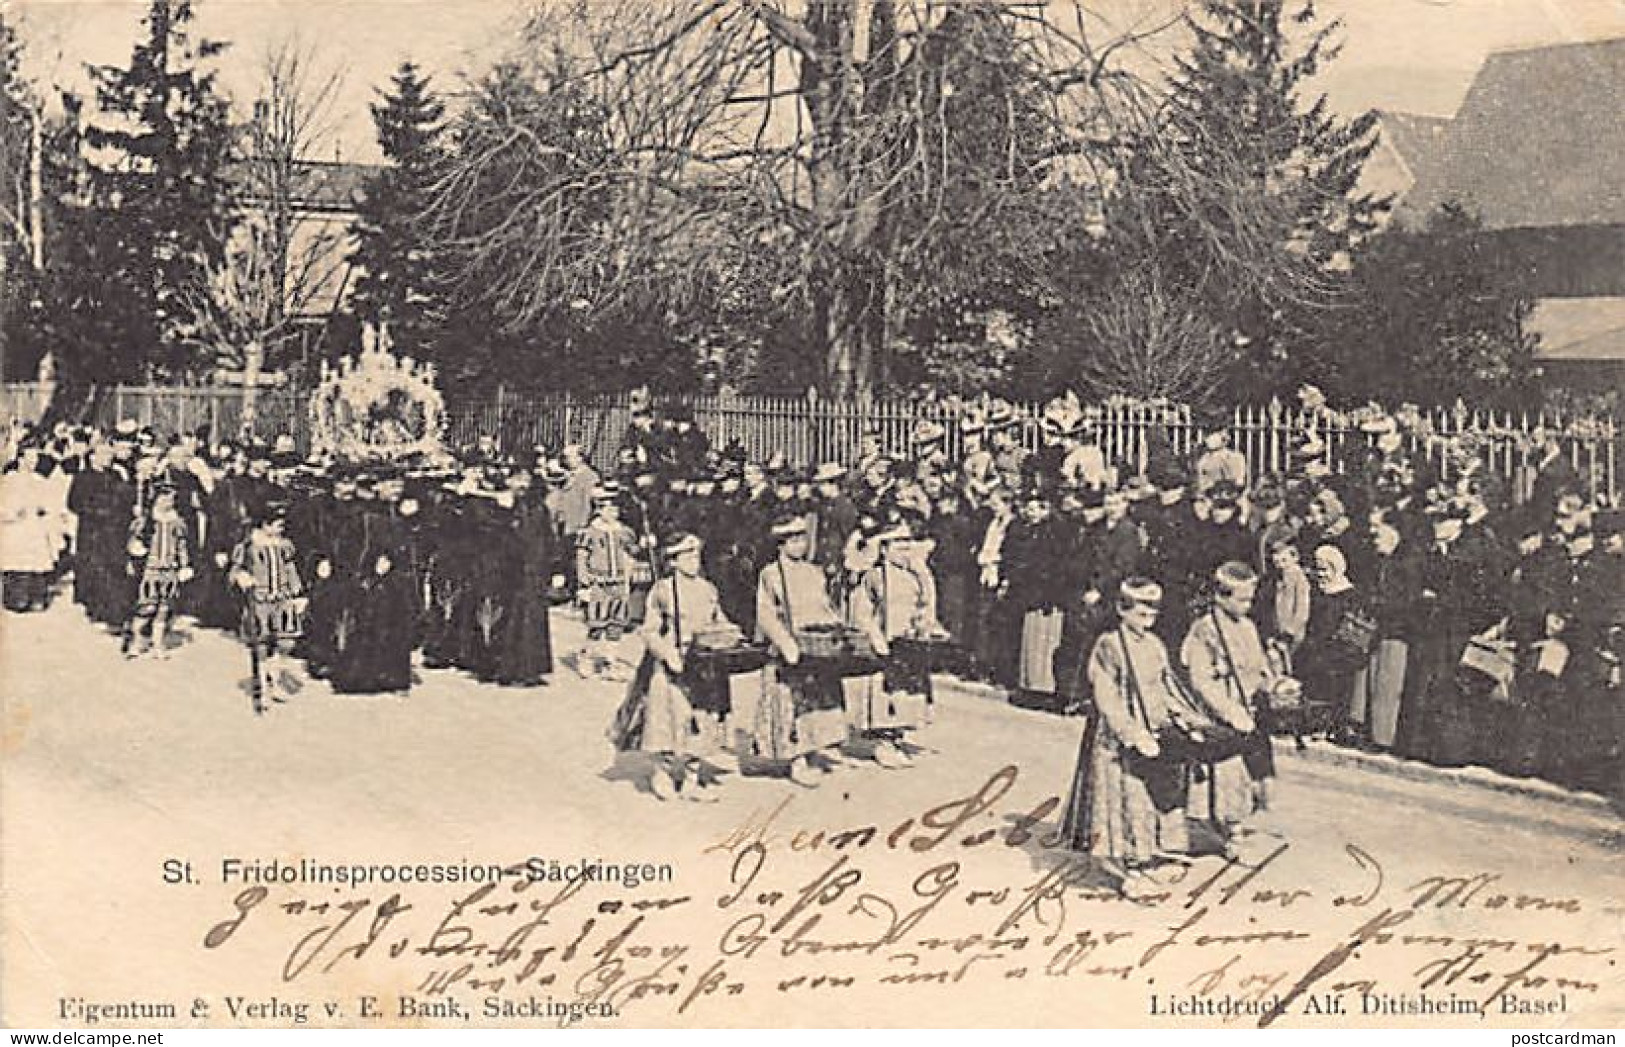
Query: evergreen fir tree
[[17, 111], [1441, 317], [161, 140], [1250, 194], [398, 280]]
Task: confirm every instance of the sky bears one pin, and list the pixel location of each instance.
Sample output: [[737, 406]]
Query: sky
[[1412, 55]]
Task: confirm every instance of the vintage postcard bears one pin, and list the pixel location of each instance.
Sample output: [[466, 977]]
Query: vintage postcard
[[812, 513]]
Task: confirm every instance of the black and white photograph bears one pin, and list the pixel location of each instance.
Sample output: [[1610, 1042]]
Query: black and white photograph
[[812, 514]]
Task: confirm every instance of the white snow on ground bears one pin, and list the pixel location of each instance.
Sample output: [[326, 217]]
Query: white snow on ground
[[112, 767]]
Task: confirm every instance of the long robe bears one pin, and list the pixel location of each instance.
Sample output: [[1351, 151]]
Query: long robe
[[665, 712], [1228, 669], [890, 603], [525, 648], [801, 708], [379, 612], [1111, 812]]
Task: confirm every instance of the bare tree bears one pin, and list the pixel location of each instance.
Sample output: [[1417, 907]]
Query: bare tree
[[287, 250], [825, 128], [1144, 339]]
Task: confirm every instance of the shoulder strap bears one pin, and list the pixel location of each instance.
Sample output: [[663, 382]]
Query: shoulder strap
[[1136, 700], [784, 594], [1229, 661], [676, 612]]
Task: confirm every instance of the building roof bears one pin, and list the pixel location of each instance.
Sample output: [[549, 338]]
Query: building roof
[[1580, 328], [1537, 141], [318, 185], [1417, 138]]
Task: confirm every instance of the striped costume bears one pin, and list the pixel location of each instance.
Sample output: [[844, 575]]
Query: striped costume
[[606, 553], [162, 546], [273, 602]]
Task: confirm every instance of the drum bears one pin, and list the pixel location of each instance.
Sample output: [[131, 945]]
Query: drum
[[913, 660], [836, 650], [826, 641], [1209, 744], [706, 673]]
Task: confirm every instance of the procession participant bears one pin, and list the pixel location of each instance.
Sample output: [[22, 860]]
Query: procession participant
[[606, 552], [801, 710], [488, 567], [870, 451], [1226, 664], [1126, 807], [642, 439], [264, 571], [1266, 519], [1328, 523], [675, 710], [30, 531], [747, 515], [380, 607], [888, 604], [1557, 594], [320, 533], [1552, 477], [452, 549], [1078, 516], [525, 647], [644, 510], [1164, 517], [57, 468], [930, 444], [1221, 537], [688, 448], [160, 548], [223, 515], [1059, 419], [1600, 623], [103, 501]]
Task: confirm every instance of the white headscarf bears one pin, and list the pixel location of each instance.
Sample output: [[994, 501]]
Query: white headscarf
[[1336, 564]]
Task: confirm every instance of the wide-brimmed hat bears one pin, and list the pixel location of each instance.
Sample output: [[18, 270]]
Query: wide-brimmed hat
[[606, 493], [789, 526], [1225, 492], [928, 433], [1000, 415], [1062, 416], [828, 472], [683, 542], [1140, 590]]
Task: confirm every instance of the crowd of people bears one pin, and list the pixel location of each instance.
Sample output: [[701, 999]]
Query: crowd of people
[[1372, 593]]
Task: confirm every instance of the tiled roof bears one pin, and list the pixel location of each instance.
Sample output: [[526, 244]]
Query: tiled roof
[[1415, 137], [1537, 142]]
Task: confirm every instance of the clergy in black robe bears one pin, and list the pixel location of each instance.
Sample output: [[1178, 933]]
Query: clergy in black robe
[[104, 501], [524, 654], [379, 615]]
